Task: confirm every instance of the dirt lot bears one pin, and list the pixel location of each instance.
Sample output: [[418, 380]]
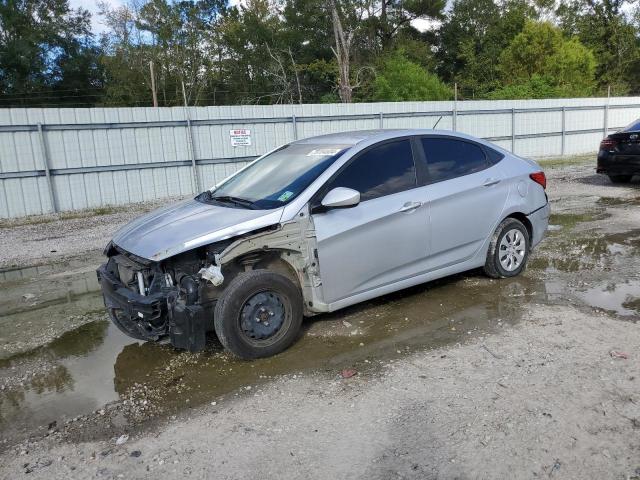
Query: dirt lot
[[534, 377]]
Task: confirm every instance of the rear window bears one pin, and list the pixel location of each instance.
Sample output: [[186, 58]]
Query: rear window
[[632, 127], [494, 155], [450, 158]]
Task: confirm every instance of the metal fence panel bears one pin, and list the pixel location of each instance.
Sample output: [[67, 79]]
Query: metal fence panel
[[74, 158]]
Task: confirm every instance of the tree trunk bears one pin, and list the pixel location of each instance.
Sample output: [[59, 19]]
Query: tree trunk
[[342, 54]]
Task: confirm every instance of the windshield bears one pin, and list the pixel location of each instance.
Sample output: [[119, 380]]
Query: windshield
[[277, 178]]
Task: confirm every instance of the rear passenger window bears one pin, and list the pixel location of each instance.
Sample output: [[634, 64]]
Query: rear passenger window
[[494, 155], [449, 158], [380, 171]]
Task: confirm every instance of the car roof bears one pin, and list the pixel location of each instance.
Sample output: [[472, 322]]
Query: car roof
[[356, 136]]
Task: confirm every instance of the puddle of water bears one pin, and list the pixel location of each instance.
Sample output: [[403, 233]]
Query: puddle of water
[[77, 378], [96, 364], [621, 298], [572, 253], [38, 302], [32, 288]]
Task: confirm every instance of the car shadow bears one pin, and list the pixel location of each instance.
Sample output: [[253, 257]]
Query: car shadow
[[602, 180]]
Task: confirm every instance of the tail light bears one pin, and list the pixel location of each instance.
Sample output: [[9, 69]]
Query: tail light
[[540, 178], [608, 144]]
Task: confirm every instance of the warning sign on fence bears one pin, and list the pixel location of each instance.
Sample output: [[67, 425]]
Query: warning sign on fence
[[240, 137]]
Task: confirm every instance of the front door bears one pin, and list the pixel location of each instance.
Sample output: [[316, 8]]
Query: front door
[[383, 239]]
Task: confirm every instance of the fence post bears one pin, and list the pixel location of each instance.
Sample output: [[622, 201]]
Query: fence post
[[454, 113], [192, 152], [45, 161], [606, 112], [513, 130], [294, 125], [564, 131], [381, 120]]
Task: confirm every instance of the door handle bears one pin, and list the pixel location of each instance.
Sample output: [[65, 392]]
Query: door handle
[[491, 181], [410, 206]]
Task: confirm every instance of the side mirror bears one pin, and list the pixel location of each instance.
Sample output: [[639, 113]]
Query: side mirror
[[341, 197]]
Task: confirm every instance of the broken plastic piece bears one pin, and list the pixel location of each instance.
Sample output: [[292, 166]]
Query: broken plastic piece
[[212, 273]]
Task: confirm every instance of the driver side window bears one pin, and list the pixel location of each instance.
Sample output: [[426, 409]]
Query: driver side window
[[381, 170]]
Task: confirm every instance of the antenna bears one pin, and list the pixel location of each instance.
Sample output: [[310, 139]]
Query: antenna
[[436, 124]]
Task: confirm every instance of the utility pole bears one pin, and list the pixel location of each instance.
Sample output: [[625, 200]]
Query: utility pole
[[153, 86]]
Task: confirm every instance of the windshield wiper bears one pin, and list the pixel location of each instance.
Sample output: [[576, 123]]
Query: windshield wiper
[[243, 202]]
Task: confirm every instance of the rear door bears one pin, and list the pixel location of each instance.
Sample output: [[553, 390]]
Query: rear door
[[383, 239], [467, 195]]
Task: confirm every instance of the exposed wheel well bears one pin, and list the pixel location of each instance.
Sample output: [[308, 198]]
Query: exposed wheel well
[[525, 221], [272, 260]]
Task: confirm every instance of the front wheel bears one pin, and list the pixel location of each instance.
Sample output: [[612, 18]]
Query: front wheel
[[620, 178], [259, 314], [508, 250]]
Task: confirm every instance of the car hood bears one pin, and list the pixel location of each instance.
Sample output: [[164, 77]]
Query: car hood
[[188, 224]]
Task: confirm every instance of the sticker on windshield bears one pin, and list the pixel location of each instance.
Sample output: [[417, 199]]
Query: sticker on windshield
[[285, 196], [323, 152]]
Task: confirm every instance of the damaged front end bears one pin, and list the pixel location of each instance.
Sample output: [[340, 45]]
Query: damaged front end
[[157, 301], [172, 297]]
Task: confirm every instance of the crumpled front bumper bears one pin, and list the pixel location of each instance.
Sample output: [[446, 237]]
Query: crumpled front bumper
[[154, 316]]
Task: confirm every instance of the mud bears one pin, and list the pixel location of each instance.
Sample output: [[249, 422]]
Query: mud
[[67, 373]]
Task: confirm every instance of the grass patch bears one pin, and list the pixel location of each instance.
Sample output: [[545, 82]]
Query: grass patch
[[559, 162], [54, 217], [570, 220]]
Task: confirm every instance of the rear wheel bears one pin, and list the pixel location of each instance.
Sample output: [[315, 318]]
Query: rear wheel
[[620, 178], [259, 314], [508, 250]]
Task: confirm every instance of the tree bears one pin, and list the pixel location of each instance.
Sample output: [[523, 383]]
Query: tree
[[541, 53], [343, 39], [180, 38], [388, 18], [472, 37], [399, 79], [603, 26], [45, 46]]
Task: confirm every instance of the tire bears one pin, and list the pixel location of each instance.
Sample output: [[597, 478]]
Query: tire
[[497, 264], [620, 178], [255, 295]]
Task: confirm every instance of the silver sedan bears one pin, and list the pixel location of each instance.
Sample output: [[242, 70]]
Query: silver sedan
[[317, 225]]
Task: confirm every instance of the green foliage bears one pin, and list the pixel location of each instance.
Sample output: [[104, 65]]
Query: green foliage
[[46, 54], [540, 57], [534, 87], [603, 27], [400, 79], [282, 51], [471, 39]]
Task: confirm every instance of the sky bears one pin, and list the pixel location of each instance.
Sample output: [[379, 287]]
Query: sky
[[92, 5], [98, 27]]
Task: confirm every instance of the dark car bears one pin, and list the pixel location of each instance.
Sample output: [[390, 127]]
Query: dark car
[[619, 154]]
